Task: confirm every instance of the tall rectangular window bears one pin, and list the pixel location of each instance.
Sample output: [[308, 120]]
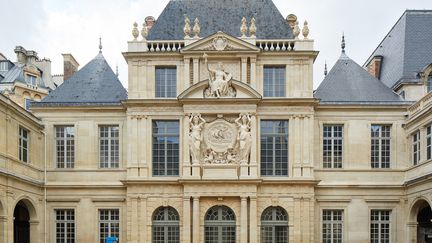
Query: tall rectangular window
[[274, 148], [109, 224], [65, 146], [332, 228], [380, 146], [31, 79], [24, 137], [274, 81], [332, 146], [380, 226], [166, 82], [429, 142], [27, 104], [416, 147], [109, 154], [165, 148], [64, 226]]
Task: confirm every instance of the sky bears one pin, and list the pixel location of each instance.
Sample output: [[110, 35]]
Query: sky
[[53, 27]]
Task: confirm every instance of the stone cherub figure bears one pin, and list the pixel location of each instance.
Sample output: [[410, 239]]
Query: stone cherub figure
[[196, 123], [210, 156], [219, 81], [244, 136]]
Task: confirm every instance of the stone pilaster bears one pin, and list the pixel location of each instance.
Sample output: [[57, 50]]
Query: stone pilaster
[[196, 220]]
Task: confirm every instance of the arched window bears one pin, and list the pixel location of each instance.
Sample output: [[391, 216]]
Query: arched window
[[429, 83], [274, 225], [166, 225], [220, 225]]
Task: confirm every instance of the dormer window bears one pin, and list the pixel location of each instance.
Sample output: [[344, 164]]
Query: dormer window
[[3, 66], [31, 79]]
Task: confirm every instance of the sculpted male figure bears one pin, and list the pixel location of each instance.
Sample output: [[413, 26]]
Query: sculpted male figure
[[219, 81]]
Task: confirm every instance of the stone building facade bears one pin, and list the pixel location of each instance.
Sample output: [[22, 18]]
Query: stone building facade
[[220, 138]]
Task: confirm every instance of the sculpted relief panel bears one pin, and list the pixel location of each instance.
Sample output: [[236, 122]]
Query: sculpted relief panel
[[220, 141], [220, 82]]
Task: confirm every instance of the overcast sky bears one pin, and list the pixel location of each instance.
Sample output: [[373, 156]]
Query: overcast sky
[[52, 27]]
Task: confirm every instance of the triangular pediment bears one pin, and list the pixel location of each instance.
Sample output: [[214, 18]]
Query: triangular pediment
[[220, 42]]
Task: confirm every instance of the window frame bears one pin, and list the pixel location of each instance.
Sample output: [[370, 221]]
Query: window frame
[[166, 135], [273, 92], [274, 223], [380, 139], [21, 147], [429, 142], [165, 93], [65, 140], [380, 223], [110, 140], [64, 223], [416, 147], [165, 223], [109, 222], [332, 222], [429, 83], [220, 224], [30, 78], [332, 140], [275, 136]]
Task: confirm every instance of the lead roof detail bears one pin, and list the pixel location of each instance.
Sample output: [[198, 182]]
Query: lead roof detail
[[94, 84], [220, 15]]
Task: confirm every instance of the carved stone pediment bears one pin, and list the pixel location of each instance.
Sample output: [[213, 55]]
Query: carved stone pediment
[[198, 91], [220, 42]]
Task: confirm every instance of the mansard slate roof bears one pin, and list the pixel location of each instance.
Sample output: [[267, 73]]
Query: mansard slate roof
[[220, 15], [94, 84], [348, 82], [406, 49]]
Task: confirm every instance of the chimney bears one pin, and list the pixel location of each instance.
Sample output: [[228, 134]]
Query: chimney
[[149, 22], [70, 66], [21, 54], [374, 66]]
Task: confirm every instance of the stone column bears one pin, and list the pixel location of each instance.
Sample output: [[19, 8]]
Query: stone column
[[3, 228], [243, 220], [186, 73], [253, 224], [196, 70], [134, 220], [186, 220], [253, 73], [411, 232], [244, 69], [34, 232], [143, 220], [196, 220]]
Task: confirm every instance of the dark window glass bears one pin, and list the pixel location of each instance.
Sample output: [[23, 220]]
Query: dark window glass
[[165, 148], [166, 82], [274, 81], [274, 148]]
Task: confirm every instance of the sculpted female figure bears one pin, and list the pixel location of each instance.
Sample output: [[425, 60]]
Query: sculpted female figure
[[219, 81], [244, 136], [196, 123]]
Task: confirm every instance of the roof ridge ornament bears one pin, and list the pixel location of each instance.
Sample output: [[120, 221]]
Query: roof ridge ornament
[[100, 44], [325, 68], [305, 30], [296, 30], [253, 28], [197, 28], [144, 32], [243, 27], [343, 43], [187, 27], [135, 31]]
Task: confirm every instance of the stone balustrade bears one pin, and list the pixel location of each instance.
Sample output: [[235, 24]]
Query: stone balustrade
[[276, 45], [420, 105]]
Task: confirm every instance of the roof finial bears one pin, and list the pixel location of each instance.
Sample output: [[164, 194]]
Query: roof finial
[[117, 73], [100, 44], [325, 68], [343, 43]]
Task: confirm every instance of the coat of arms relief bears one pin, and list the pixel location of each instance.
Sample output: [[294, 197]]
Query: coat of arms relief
[[220, 141]]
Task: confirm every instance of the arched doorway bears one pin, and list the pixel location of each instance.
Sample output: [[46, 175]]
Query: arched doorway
[[21, 223], [424, 224]]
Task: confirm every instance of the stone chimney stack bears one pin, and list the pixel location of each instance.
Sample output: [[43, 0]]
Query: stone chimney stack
[[70, 66], [374, 66], [149, 22], [21, 54]]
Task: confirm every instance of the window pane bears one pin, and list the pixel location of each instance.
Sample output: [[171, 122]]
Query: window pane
[[332, 226], [165, 148], [109, 224], [274, 81], [109, 146], [65, 225], [65, 146], [380, 226], [166, 82], [380, 146], [332, 146], [274, 148]]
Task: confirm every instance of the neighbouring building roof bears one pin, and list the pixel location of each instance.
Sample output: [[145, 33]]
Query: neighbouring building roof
[[14, 74], [348, 82], [94, 84], [220, 15], [406, 49]]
